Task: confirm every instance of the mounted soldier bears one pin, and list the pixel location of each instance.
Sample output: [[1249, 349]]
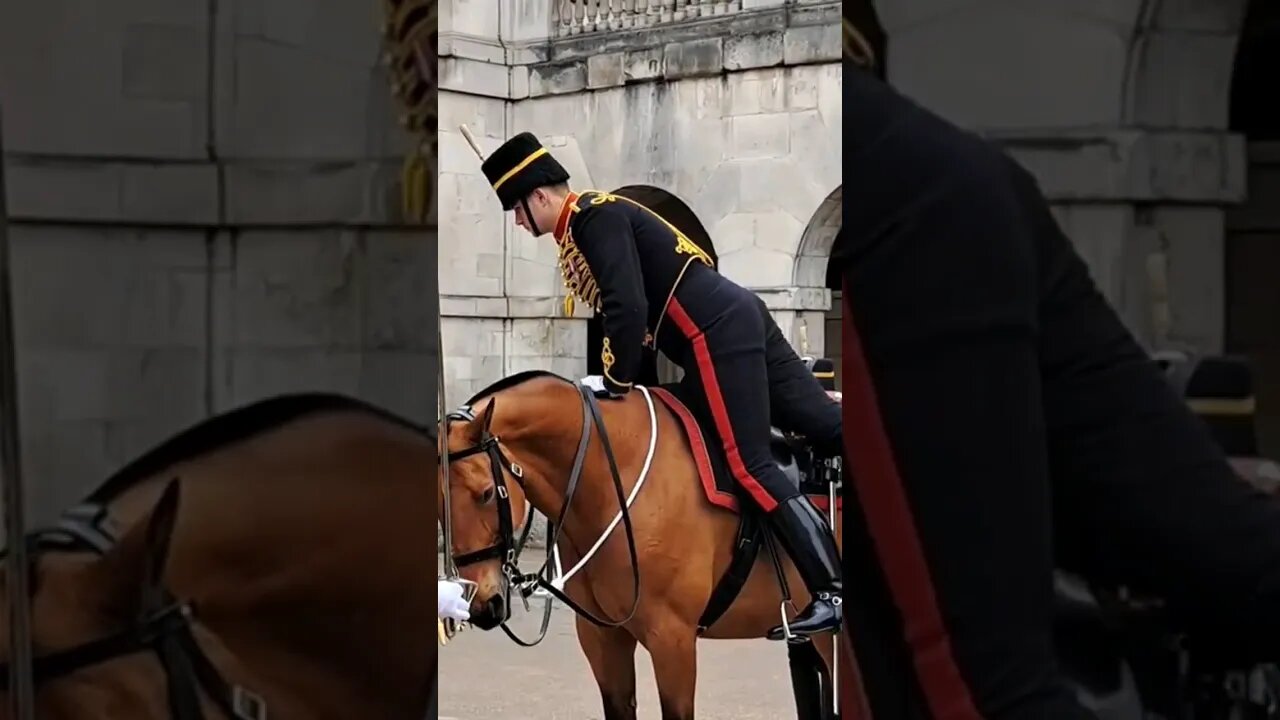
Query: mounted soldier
[[1004, 422], [658, 291]]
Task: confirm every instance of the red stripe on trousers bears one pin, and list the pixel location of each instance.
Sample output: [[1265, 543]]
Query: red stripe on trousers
[[718, 410], [887, 513]]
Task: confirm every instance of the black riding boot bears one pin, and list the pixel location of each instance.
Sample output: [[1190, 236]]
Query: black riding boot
[[807, 538]]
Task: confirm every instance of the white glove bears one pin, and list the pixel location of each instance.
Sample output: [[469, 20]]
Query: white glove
[[596, 383], [450, 602]]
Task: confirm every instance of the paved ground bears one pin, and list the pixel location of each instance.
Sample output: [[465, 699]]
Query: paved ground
[[485, 675]]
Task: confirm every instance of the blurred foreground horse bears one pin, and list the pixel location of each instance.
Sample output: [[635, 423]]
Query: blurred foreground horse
[[271, 562]]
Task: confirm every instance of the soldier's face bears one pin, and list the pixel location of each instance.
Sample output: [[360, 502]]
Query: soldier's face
[[544, 210]]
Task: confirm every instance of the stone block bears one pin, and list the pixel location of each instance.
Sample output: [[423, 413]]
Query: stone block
[[295, 290], [756, 267], [401, 292], [1185, 80], [814, 144], [483, 19], [812, 44], [693, 58], [1193, 240], [1202, 17], [529, 339], [178, 194], [291, 102], [520, 83], [164, 63], [801, 85], [475, 77], [402, 382], [561, 79], [260, 192], [644, 64], [253, 374], [605, 70], [63, 75], [753, 50], [718, 196], [113, 384], [1005, 68], [118, 276], [758, 91], [760, 136], [63, 461]]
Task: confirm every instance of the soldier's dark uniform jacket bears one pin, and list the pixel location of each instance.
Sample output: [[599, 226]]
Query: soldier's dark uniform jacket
[[1001, 421], [654, 286]]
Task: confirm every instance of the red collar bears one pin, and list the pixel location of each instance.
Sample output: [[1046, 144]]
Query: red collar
[[567, 209]]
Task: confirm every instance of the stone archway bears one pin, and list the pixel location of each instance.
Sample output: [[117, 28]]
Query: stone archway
[[1252, 254], [813, 271], [656, 369]]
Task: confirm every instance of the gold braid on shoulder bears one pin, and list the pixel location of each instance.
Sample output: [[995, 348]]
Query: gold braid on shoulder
[[412, 53]]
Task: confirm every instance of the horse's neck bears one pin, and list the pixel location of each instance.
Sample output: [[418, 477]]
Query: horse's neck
[[318, 557], [551, 448]]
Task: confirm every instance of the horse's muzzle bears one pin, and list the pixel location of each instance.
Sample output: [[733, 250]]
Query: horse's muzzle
[[490, 615]]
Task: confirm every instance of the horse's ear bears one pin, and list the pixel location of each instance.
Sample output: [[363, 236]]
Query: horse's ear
[[134, 568], [486, 419]]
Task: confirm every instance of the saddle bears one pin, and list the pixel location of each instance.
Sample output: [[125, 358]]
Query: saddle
[[819, 477]]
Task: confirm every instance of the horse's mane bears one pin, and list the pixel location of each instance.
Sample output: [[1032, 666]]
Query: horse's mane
[[239, 424], [511, 381]]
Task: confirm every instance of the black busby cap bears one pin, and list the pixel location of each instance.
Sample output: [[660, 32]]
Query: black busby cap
[[520, 166]]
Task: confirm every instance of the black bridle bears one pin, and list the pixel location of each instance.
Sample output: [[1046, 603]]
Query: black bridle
[[163, 626], [507, 549]]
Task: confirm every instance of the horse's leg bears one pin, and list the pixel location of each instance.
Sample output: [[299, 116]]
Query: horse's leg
[[673, 650], [611, 653]]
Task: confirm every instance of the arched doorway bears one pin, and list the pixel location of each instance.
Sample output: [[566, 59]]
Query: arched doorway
[[655, 368], [1252, 267], [814, 270]]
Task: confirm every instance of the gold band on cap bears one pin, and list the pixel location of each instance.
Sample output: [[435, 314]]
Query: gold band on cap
[[523, 164]]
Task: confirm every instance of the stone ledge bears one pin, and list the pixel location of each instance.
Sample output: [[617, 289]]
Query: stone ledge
[[477, 77], [746, 22], [540, 307], [187, 194], [794, 35], [1132, 165]]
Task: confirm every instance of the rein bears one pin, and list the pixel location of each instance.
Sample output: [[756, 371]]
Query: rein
[[164, 627], [508, 548]]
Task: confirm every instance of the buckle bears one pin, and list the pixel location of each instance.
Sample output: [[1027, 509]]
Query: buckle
[[247, 705]]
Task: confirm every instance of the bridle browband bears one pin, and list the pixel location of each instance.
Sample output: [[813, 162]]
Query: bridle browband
[[508, 548], [164, 626]]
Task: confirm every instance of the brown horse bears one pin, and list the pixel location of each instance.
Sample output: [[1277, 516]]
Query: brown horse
[[295, 529], [518, 445]]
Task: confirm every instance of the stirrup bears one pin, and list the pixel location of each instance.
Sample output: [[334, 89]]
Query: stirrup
[[786, 626]]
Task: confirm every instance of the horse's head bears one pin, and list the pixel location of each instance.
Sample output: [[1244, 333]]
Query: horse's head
[[487, 507], [91, 619]]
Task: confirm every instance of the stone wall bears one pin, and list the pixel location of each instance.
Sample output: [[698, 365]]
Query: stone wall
[[206, 213], [738, 115]]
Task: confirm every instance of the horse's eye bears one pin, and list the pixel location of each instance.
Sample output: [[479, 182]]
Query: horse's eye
[[487, 497]]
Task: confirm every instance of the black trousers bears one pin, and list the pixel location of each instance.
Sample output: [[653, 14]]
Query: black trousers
[[748, 377], [1000, 421]]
